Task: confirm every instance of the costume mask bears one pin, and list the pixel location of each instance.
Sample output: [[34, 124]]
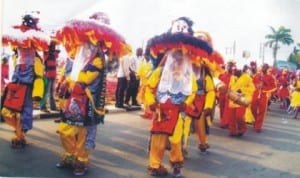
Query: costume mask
[[180, 26], [86, 54], [25, 56]]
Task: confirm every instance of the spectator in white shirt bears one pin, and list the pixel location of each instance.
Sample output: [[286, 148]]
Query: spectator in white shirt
[[123, 78], [134, 81]]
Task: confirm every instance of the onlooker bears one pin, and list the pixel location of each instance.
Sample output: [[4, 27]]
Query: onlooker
[[123, 77], [134, 81], [50, 76], [4, 72]]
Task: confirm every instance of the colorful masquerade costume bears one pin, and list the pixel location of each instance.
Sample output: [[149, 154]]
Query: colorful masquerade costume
[[81, 131], [88, 42], [26, 84], [200, 112], [171, 87], [201, 108], [168, 121]]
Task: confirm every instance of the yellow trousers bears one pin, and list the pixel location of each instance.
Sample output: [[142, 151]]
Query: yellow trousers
[[158, 146], [186, 131], [62, 103], [73, 140], [200, 130], [249, 118], [13, 119]]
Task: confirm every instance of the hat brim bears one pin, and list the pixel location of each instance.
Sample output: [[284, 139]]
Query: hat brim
[[26, 39], [186, 43], [76, 32]]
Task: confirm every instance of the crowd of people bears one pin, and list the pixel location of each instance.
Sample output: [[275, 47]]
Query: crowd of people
[[179, 79]]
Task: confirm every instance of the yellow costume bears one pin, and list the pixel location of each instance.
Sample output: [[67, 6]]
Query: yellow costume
[[249, 118], [204, 101], [244, 86], [144, 73], [295, 97], [171, 88], [158, 140], [87, 42]]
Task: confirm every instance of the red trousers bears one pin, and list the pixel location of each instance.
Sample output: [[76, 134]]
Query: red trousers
[[259, 106], [221, 102], [237, 124], [224, 117]]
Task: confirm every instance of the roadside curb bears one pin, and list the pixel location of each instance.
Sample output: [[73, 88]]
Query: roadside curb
[[109, 109]]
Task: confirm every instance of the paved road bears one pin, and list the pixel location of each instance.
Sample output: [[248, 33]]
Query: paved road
[[121, 150]]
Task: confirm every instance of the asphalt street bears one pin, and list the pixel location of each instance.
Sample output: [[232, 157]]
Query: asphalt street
[[121, 150]]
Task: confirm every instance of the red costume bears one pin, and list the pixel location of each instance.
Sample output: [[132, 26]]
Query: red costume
[[224, 101], [283, 91], [265, 84], [223, 97]]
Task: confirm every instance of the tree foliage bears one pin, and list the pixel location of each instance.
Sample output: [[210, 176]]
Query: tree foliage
[[295, 55], [276, 37]]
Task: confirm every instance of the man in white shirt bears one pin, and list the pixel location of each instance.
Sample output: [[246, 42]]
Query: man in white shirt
[[134, 82], [123, 77]]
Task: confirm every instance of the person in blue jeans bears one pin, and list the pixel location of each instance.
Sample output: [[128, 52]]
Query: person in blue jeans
[[50, 77]]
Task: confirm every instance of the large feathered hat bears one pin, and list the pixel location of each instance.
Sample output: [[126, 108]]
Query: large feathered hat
[[179, 37], [94, 29], [215, 61], [160, 44], [27, 34]]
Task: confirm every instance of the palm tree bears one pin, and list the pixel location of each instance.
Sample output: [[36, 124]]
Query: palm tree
[[296, 49], [295, 55], [282, 35]]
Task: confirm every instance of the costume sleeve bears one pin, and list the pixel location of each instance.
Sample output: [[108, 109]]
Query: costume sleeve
[[38, 83], [269, 84], [239, 84], [38, 67], [210, 92], [249, 87], [245, 84], [151, 86], [88, 77], [191, 97], [140, 69]]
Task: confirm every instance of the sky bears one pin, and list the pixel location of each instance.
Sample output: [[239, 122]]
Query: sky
[[240, 23]]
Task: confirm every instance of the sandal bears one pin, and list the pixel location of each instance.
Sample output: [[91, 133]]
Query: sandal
[[18, 144], [80, 168], [161, 171], [66, 162]]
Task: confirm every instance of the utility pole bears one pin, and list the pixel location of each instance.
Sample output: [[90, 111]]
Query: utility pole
[[233, 50], [230, 51], [262, 52]]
